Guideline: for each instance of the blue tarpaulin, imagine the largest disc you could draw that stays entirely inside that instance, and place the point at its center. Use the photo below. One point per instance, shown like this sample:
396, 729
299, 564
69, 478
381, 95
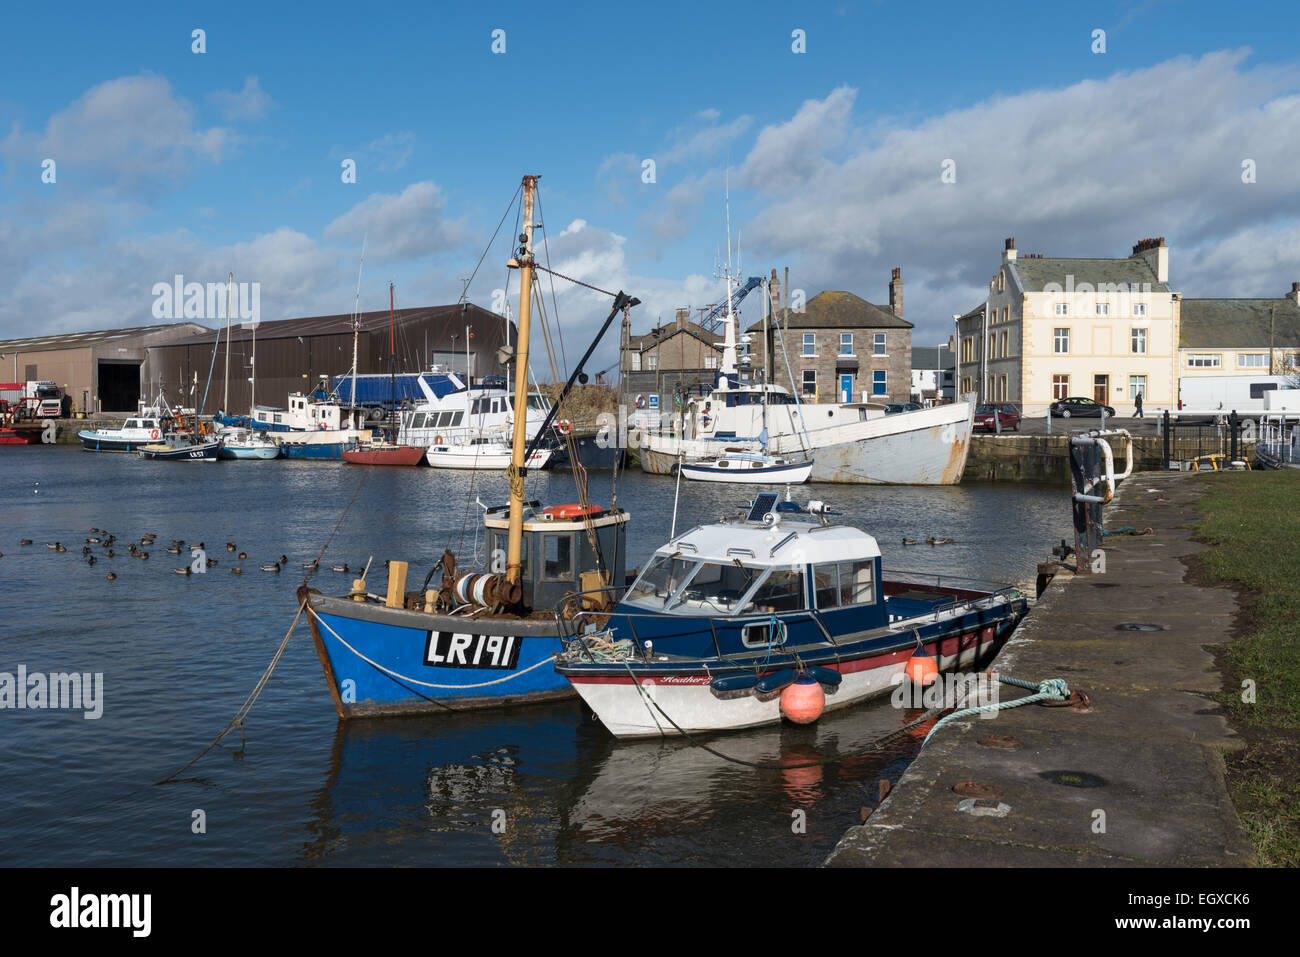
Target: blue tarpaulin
380, 390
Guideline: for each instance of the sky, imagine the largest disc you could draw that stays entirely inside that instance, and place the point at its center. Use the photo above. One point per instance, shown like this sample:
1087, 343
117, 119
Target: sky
831, 126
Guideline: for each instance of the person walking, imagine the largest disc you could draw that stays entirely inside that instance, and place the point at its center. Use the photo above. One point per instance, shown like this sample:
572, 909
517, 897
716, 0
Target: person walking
1137, 406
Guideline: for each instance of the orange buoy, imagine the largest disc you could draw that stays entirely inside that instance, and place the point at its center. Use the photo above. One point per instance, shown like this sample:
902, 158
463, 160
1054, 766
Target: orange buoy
574, 510
922, 669
803, 701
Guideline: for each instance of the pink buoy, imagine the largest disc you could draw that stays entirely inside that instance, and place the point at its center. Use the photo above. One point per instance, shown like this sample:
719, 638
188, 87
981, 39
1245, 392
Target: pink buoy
803, 701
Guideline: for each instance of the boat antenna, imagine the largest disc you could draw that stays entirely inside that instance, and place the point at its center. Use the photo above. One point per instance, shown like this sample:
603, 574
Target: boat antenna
356, 320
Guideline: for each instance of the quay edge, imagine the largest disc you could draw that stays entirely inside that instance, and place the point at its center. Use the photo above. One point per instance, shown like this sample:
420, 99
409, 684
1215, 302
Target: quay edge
1152, 741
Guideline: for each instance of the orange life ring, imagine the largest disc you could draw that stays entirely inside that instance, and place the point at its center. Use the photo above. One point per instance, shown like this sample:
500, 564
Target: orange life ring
640, 401
437, 440
573, 510
153, 434
564, 426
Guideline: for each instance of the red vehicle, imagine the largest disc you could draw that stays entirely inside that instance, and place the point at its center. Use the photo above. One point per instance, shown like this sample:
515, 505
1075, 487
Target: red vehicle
992, 415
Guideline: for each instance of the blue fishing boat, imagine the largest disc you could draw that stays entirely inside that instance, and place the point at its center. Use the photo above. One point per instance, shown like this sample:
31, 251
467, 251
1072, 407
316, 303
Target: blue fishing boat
725, 617
479, 639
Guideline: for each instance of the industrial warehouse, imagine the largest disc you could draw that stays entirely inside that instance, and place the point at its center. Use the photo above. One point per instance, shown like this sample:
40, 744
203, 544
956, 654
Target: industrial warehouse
112, 371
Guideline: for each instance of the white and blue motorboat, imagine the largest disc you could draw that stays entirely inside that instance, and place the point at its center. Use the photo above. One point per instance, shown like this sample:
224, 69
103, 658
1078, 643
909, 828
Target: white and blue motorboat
149, 424
725, 617
246, 444
744, 467
312, 427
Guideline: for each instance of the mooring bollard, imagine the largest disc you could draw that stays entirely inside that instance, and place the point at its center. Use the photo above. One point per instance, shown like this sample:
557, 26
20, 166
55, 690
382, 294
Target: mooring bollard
997, 422
1049, 420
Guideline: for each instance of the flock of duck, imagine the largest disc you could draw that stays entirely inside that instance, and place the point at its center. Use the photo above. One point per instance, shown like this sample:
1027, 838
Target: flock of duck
106, 542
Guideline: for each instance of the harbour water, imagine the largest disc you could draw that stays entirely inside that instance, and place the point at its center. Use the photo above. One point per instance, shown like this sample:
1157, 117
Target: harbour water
543, 785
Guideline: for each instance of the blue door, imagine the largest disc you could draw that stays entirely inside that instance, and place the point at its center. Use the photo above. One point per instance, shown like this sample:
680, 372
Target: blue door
846, 388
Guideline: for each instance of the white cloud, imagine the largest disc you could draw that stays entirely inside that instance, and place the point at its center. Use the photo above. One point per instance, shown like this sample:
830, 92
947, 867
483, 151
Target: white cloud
125, 136
250, 103
408, 225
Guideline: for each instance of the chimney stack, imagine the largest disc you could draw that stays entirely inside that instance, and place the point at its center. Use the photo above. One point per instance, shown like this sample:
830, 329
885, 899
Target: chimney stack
1156, 254
774, 285
683, 317
896, 291
1294, 294
1009, 253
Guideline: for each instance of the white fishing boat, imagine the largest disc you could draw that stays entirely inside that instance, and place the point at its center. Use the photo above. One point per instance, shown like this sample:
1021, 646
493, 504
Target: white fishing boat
480, 452
246, 444
748, 468
150, 424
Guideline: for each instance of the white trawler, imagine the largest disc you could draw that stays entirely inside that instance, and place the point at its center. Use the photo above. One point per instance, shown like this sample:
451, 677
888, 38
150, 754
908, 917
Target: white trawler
848, 442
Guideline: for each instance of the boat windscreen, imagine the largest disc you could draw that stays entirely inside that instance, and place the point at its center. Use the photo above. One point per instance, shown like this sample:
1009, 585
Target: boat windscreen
659, 580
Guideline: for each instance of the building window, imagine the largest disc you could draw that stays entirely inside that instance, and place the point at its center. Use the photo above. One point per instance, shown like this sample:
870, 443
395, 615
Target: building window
809, 381
1103, 309
1139, 308
1002, 388
879, 384
635, 364
846, 343
1060, 386
1138, 342
710, 362
1204, 360
1293, 360
809, 344
1062, 308
878, 344
1061, 341
1137, 385
651, 363
1006, 313
1005, 342
1002, 280
1252, 360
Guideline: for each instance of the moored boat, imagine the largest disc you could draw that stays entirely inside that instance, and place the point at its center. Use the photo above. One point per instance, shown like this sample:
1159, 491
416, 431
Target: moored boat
481, 452
726, 616
181, 448
246, 445
748, 468
383, 453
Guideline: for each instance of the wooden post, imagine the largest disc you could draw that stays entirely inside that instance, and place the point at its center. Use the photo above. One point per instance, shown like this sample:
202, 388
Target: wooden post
396, 585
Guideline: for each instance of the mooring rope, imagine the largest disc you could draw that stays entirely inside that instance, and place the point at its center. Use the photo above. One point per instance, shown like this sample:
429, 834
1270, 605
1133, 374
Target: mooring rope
1053, 689
247, 706
414, 681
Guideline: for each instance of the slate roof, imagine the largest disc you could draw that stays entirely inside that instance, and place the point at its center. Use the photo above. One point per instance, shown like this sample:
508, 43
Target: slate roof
643, 342
932, 357
80, 340
1034, 274
834, 309
1238, 324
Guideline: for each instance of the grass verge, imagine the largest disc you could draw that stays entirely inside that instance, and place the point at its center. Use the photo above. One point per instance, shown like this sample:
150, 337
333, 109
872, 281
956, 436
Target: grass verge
1252, 522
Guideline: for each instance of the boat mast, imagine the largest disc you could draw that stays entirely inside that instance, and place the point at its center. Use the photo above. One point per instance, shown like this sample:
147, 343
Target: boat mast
524, 261
356, 325
225, 397
392, 351
729, 319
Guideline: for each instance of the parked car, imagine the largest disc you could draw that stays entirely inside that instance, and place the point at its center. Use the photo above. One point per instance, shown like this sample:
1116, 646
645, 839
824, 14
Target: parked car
892, 408
1079, 405
992, 415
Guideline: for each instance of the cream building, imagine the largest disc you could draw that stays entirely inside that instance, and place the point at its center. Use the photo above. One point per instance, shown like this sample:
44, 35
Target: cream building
1052, 328
1231, 350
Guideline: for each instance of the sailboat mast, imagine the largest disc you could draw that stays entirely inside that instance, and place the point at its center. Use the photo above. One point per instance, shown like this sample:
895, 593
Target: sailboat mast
225, 397
524, 260
392, 350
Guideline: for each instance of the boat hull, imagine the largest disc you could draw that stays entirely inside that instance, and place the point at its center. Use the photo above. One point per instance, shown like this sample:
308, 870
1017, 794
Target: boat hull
21, 435
94, 442
480, 663
393, 455
689, 700
926, 447
249, 453
206, 452
794, 474
443, 457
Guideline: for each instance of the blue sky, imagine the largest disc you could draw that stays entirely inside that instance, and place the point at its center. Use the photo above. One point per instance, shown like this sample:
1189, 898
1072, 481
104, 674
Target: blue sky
169, 161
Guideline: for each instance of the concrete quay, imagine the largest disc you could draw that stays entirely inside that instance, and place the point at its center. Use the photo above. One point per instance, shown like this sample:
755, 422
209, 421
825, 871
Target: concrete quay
1136, 780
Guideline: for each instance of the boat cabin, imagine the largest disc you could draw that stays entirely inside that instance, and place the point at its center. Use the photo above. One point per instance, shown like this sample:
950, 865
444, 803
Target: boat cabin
778, 560
305, 414
559, 558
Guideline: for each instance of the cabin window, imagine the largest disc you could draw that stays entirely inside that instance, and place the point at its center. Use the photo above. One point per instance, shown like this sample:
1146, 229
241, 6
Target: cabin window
417, 420
719, 587
558, 552
844, 583
456, 417
782, 590
660, 580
